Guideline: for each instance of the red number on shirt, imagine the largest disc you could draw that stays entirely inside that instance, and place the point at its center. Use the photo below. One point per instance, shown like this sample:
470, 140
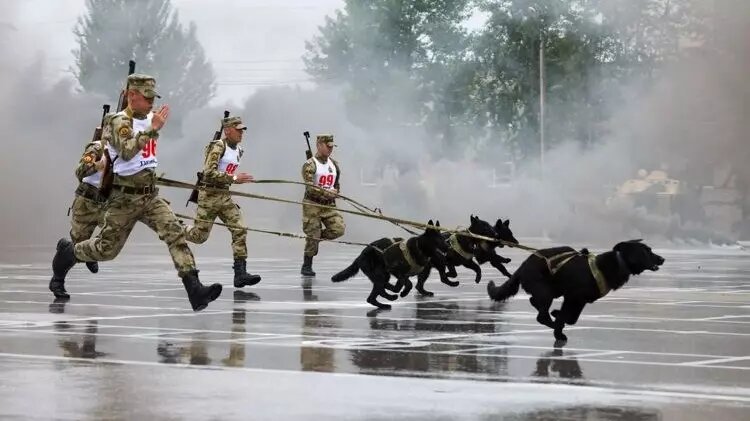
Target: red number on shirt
326, 180
150, 149
231, 168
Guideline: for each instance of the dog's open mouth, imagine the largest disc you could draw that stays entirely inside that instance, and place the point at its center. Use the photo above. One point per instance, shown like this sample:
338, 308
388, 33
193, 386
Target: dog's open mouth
655, 268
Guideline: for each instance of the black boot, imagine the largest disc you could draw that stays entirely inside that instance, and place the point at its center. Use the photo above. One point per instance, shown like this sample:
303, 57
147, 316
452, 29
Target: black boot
199, 294
241, 277
307, 269
62, 262
93, 266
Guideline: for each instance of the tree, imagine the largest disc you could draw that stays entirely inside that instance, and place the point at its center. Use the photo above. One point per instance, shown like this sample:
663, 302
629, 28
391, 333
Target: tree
393, 55
149, 32
593, 49
412, 63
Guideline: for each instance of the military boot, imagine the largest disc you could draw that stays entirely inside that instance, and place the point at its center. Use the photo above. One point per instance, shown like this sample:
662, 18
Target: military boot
307, 269
93, 266
64, 259
241, 277
199, 294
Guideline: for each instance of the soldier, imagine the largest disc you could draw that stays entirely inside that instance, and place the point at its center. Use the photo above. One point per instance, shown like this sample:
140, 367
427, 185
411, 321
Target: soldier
132, 135
324, 173
221, 159
88, 205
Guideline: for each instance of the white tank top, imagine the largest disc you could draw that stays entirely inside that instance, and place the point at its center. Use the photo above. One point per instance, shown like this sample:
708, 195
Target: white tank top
95, 179
141, 161
325, 174
229, 162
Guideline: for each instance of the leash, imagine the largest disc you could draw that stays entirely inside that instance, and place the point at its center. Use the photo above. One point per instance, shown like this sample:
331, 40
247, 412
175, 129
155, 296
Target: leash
279, 233
355, 204
183, 185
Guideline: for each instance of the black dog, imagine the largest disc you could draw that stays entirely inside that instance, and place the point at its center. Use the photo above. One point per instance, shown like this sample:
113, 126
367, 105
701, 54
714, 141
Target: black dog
579, 277
486, 250
398, 257
464, 249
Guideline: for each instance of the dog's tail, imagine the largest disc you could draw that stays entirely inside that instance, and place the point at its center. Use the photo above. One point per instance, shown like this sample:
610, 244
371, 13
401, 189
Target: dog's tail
504, 291
347, 273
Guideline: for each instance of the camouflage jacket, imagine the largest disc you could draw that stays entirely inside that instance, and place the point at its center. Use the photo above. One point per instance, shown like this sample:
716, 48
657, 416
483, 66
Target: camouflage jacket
119, 133
122, 138
316, 194
87, 164
213, 153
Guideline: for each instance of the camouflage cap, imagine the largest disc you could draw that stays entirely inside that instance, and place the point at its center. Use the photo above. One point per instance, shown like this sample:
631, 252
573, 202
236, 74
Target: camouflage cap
235, 122
325, 138
144, 84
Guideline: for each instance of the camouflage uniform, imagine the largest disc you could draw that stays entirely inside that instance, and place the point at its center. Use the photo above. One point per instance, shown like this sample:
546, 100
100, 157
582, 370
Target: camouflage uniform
218, 173
88, 206
134, 198
315, 218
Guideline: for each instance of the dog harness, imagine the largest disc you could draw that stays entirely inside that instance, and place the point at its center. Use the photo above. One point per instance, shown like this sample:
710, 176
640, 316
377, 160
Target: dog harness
456, 246
601, 283
556, 262
414, 267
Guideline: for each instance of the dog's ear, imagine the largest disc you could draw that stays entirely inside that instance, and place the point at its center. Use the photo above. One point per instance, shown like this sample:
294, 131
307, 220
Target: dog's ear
638, 240
437, 223
430, 222
507, 222
473, 218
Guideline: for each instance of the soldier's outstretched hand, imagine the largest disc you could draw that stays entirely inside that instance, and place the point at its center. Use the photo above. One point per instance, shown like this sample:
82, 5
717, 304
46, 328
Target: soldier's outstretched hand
243, 178
160, 117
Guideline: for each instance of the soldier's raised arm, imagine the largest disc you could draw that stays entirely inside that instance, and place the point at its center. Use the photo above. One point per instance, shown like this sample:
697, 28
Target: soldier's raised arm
125, 141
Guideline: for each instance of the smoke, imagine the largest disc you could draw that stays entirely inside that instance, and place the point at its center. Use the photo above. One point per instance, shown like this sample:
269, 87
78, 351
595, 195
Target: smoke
45, 133
692, 120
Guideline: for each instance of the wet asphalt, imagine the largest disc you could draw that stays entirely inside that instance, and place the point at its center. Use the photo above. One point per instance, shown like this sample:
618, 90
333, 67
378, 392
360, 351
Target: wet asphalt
670, 345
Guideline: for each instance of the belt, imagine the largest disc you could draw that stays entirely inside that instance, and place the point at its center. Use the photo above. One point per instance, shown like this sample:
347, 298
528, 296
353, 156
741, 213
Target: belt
87, 191
319, 200
214, 186
151, 189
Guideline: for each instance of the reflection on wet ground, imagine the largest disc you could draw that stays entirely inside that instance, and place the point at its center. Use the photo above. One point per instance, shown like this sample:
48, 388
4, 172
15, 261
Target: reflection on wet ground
670, 345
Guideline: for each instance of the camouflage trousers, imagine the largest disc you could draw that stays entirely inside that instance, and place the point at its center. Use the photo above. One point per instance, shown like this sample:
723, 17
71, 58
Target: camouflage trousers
122, 212
312, 219
210, 206
87, 214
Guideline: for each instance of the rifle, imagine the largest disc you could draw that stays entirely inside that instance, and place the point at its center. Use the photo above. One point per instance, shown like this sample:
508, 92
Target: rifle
98, 131
308, 152
194, 194
108, 175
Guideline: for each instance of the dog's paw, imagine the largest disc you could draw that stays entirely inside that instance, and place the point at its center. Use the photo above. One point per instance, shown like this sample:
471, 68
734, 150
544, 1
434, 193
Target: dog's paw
504, 260
560, 336
374, 312
559, 343
546, 321
425, 293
